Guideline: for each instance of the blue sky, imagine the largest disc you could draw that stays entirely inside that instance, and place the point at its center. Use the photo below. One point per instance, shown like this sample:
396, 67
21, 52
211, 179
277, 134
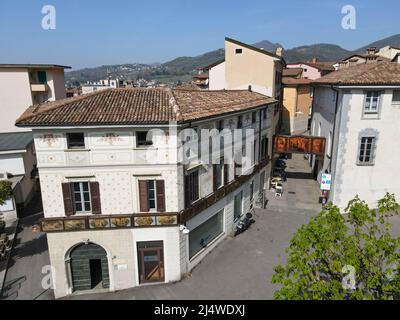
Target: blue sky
96, 32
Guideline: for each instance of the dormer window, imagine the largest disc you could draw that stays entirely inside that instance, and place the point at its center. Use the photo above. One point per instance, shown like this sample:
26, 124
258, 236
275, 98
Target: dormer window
76, 140
238, 51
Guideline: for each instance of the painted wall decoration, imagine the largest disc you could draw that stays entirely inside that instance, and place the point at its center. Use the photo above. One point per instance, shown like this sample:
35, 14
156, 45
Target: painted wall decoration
110, 138
105, 140
300, 144
48, 140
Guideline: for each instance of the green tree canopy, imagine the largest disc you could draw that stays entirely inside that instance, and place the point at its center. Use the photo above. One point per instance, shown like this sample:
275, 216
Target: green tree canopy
343, 256
5, 191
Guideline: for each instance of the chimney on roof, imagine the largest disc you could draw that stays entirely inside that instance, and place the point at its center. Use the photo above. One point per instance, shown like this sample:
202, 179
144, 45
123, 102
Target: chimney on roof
279, 51
314, 60
342, 65
250, 88
371, 50
352, 62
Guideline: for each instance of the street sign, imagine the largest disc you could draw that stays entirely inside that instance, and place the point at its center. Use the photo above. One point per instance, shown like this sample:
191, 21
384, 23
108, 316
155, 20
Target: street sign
326, 182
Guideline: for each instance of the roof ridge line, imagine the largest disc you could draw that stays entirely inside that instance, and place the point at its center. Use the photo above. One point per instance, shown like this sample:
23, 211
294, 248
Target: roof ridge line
175, 106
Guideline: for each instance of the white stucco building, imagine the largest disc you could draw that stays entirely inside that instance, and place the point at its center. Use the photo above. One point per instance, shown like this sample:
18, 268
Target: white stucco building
357, 110
122, 210
18, 165
100, 85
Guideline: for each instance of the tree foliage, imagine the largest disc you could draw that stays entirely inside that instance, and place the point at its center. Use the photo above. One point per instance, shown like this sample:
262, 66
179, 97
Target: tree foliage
5, 191
322, 253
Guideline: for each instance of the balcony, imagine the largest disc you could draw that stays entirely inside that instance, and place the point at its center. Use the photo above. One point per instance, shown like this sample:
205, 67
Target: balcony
39, 87
109, 222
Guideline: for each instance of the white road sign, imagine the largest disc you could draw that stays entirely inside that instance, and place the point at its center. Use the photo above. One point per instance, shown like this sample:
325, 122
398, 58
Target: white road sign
326, 182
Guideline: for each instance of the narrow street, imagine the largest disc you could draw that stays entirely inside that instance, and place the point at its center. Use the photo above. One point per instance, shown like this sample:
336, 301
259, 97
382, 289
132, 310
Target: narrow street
242, 267
29, 255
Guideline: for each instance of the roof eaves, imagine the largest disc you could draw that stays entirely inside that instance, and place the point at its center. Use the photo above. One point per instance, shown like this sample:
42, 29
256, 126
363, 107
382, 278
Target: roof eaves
250, 47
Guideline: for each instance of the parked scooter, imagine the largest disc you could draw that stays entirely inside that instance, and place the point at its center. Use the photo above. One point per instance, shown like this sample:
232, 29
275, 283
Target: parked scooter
279, 172
280, 164
244, 224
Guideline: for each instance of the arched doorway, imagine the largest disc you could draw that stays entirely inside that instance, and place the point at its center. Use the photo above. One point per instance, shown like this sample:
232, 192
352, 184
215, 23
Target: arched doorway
89, 267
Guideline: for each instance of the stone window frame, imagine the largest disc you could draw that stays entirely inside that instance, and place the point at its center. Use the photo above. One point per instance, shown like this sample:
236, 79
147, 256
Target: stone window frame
372, 115
395, 103
368, 133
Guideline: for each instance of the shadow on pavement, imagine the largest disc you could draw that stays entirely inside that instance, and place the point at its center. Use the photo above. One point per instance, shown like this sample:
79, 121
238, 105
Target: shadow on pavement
10, 290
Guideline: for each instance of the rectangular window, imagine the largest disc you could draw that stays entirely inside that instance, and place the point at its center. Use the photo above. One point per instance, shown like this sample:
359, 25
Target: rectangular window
372, 102
220, 125
254, 117
219, 175
265, 114
240, 122
264, 148
396, 98
76, 140
238, 51
238, 205
193, 186
366, 153
142, 140
251, 190
81, 198
152, 195
206, 233
42, 78
151, 191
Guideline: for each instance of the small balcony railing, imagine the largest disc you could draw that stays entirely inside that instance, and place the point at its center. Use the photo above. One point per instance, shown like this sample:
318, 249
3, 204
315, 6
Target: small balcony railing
39, 87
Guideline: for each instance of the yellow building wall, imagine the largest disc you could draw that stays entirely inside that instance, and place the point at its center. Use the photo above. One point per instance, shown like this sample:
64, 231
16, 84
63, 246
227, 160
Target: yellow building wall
250, 67
296, 107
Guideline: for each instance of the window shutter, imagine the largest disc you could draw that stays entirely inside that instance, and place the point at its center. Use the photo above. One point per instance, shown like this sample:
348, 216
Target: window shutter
187, 191
95, 197
68, 201
214, 177
143, 196
160, 186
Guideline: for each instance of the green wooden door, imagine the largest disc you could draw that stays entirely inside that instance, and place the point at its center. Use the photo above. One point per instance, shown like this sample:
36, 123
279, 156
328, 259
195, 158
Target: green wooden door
83, 265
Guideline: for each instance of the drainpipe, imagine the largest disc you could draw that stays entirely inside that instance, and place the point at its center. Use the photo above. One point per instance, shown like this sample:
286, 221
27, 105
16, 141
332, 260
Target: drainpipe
334, 127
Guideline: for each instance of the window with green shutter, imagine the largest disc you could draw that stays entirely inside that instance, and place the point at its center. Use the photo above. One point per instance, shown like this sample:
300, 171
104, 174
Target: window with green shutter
42, 78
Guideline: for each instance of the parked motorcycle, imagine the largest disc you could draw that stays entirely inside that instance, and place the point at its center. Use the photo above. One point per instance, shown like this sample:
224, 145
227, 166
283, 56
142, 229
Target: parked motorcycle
279, 172
280, 164
244, 224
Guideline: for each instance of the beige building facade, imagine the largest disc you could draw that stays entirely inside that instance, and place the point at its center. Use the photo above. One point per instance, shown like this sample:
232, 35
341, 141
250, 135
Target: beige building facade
24, 85
297, 106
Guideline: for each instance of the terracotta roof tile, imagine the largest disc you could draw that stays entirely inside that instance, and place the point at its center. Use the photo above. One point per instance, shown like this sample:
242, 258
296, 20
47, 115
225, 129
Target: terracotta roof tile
294, 81
132, 106
292, 72
375, 73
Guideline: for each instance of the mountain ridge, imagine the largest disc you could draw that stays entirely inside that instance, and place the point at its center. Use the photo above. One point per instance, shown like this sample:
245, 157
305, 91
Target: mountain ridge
181, 68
